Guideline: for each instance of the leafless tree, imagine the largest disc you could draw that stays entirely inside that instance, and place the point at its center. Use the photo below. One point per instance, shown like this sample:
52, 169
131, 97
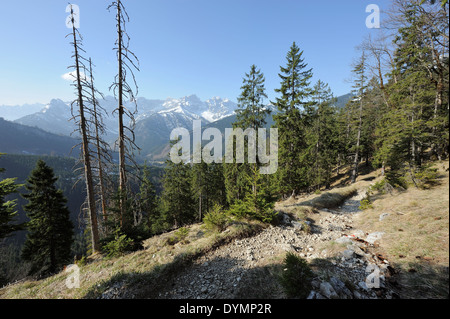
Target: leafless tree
79, 116
127, 62
102, 149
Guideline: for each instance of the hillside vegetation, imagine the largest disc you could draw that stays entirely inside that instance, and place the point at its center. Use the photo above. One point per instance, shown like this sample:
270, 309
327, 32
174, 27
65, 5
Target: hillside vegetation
415, 243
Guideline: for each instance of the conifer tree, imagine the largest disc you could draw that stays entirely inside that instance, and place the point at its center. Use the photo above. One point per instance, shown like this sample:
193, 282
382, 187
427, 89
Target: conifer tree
254, 198
147, 199
50, 231
410, 127
8, 212
251, 114
251, 111
216, 185
200, 186
294, 107
259, 199
360, 86
177, 199
208, 186
322, 137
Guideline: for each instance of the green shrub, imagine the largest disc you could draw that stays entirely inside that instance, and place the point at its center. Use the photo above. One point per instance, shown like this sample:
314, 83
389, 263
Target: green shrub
306, 227
365, 204
254, 209
426, 177
119, 245
179, 235
397, 179
82, 261
216, 219
296, 277
379, 186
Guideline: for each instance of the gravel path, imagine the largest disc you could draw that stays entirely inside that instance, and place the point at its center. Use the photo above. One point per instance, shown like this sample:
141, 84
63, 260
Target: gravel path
228, 271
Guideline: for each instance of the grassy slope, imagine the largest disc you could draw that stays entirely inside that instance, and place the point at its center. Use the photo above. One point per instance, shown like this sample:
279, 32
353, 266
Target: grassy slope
417, 226
416, 236
142, 272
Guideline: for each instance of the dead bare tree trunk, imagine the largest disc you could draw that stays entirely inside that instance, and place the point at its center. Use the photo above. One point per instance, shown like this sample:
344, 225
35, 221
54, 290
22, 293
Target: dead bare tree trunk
85, 145
123, 90
101, 146
122, 169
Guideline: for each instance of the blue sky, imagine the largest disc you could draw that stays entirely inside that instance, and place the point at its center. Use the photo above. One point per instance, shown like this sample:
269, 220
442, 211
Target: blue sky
201, 47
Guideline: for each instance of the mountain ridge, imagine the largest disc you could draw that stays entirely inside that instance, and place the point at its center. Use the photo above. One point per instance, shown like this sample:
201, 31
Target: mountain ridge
154, 120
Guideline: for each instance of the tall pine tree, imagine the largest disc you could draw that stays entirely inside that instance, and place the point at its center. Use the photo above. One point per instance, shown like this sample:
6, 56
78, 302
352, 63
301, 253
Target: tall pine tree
251, 111
50, 231
294, 107
251, 114
322, 137
147, 199
178, 203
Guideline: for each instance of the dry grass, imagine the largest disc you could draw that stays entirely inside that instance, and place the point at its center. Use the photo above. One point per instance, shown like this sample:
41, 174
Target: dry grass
416, 236
416, 242
142, 272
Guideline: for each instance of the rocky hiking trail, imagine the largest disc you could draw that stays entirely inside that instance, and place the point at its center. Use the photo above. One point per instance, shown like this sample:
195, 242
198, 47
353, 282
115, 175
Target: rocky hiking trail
240, 269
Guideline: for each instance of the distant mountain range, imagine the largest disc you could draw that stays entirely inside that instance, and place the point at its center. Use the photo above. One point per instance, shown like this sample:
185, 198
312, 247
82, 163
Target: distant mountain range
48, 129
21, 139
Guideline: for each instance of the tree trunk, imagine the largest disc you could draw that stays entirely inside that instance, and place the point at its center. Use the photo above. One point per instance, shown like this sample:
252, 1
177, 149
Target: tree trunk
86, 156
200, 207
122, 168
437, 106
358, 138
99, 148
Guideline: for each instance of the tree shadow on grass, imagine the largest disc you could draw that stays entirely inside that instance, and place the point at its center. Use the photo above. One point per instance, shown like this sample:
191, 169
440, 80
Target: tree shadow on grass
227, 275
424, 280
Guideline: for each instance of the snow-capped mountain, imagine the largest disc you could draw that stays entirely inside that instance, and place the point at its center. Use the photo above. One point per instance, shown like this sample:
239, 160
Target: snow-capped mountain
154, 119
210, 110
14, 112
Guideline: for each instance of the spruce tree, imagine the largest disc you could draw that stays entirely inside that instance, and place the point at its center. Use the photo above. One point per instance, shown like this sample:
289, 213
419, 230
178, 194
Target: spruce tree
50, 231
8, 212
251, 111
322, 137
177, 199
254, 199
259, 199
251, 114
294, 108
216, 185
200, 186
147, 199
408, 130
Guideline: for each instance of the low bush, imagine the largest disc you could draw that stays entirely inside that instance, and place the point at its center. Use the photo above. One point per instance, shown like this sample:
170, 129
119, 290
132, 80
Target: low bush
365, 204
119, 245
296, 276
179, 235
216, 219
426, 177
